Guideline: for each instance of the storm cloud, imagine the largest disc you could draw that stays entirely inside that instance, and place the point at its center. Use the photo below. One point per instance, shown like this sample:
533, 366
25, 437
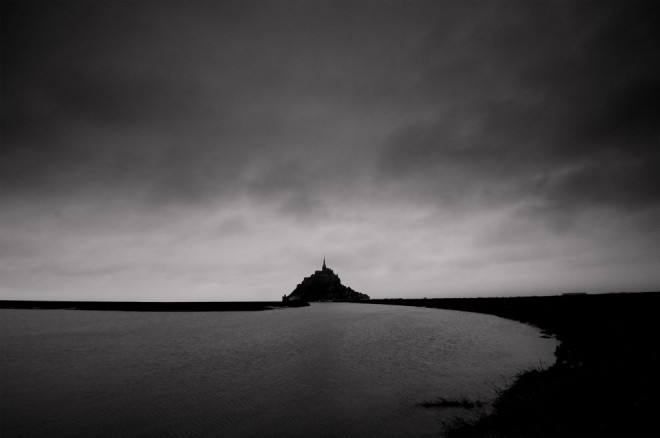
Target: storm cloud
165, 150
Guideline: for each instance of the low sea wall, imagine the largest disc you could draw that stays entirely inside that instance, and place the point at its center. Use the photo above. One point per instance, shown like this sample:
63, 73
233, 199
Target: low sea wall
146, 306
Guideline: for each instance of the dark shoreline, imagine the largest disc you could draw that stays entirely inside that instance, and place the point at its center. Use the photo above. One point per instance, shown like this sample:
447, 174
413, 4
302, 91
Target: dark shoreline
605, 382
151, 306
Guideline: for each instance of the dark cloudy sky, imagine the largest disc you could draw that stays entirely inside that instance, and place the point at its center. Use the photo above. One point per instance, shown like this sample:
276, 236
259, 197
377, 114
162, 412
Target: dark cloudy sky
217, 150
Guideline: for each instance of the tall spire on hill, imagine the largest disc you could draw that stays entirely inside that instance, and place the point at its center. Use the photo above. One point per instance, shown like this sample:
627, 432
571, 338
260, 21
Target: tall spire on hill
324, 285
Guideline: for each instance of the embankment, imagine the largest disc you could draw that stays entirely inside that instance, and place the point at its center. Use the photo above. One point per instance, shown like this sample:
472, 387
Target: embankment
147, 306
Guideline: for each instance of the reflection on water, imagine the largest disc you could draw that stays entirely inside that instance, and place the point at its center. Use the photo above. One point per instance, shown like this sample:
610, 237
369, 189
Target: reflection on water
330, 370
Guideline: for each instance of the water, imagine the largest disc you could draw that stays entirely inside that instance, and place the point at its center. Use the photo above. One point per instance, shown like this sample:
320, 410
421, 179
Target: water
329, 370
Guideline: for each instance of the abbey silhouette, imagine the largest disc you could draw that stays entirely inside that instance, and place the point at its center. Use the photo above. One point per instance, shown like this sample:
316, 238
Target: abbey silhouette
323, 285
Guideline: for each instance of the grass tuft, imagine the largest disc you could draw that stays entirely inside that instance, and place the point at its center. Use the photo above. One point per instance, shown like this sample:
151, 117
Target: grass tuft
462, 402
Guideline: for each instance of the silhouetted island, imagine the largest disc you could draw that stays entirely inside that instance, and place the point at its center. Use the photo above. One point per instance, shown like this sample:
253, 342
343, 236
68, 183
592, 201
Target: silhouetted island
323, 285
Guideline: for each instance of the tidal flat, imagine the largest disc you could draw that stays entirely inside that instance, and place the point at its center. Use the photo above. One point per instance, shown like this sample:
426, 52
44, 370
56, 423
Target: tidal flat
327, 370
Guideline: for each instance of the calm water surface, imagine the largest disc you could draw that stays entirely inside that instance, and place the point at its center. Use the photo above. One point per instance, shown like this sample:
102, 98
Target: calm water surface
329, 370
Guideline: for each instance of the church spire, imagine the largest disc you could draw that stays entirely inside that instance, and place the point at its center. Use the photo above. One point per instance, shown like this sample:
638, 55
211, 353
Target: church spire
324, 263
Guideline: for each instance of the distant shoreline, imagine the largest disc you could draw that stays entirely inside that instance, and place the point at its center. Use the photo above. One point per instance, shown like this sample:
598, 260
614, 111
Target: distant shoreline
147, 306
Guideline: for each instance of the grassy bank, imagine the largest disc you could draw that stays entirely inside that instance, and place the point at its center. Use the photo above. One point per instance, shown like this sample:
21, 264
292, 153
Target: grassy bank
605, 382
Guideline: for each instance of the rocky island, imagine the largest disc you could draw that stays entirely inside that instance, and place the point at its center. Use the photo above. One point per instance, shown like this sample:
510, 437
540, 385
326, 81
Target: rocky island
323, 285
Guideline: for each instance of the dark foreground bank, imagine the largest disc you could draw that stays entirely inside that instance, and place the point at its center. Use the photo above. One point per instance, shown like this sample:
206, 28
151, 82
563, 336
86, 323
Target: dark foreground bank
143, 306
605, 382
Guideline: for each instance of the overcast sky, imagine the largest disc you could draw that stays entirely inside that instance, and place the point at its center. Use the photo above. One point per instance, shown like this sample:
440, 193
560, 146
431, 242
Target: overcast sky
218, 150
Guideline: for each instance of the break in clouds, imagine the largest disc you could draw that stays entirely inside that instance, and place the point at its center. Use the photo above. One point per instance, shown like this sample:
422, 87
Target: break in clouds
216, 151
